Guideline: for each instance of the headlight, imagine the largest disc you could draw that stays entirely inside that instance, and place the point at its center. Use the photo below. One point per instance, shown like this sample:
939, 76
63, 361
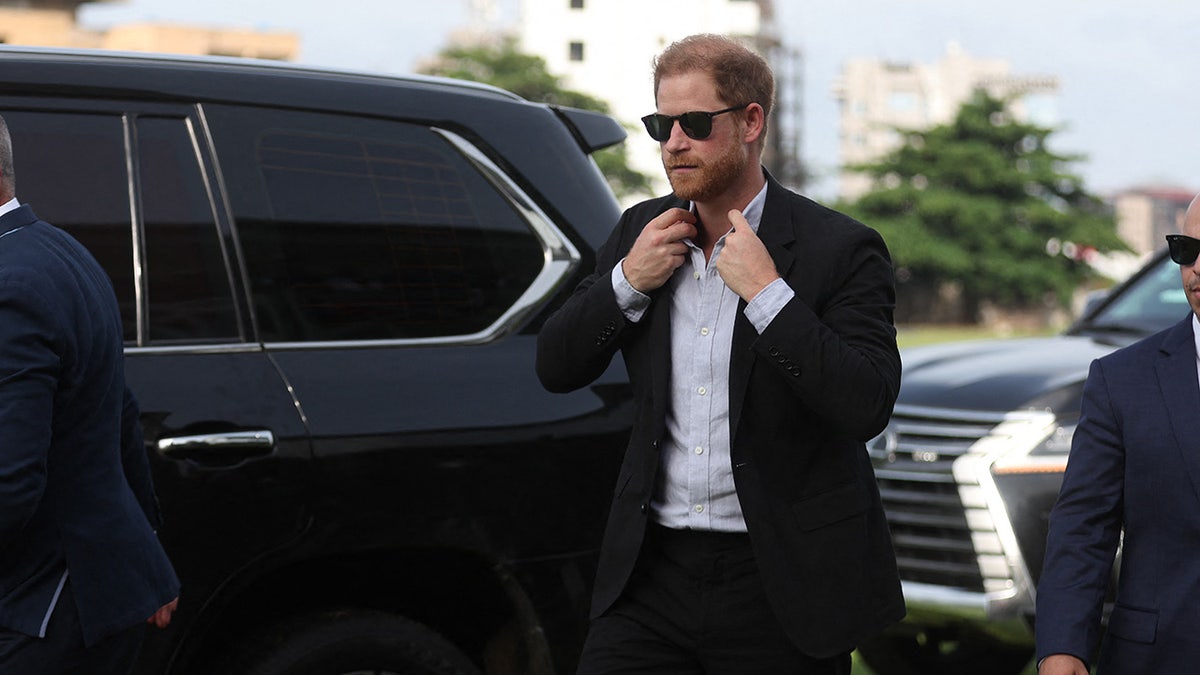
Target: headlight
1049, 456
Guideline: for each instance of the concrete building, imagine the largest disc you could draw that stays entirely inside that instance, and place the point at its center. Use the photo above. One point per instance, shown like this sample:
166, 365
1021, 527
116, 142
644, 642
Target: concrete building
605, 48
878, 96
53, 23
1148, 213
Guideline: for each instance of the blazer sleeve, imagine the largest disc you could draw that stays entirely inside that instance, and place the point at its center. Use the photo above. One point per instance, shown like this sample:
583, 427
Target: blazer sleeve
1085, 528
134, 462
29, 372
837, 348
578, 341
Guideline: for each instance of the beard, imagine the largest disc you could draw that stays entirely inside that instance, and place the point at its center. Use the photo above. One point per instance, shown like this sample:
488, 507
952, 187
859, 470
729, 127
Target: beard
710, 178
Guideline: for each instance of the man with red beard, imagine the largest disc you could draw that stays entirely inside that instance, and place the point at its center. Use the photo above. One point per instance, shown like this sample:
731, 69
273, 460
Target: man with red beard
1133, 478
746, 533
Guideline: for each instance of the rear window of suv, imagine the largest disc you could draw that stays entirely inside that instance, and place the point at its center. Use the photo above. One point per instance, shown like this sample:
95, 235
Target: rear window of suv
366, 229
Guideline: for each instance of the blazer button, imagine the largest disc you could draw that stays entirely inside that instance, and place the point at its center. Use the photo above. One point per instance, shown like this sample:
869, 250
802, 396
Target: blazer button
644, 509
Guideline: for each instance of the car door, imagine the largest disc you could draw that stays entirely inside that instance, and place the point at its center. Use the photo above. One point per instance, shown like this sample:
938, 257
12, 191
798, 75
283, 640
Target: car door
227, 445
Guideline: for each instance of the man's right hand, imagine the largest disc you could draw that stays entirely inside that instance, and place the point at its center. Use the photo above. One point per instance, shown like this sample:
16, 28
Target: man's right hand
659, 250
1062, 664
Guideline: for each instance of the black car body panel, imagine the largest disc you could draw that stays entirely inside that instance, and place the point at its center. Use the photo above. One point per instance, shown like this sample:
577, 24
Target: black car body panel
331, 285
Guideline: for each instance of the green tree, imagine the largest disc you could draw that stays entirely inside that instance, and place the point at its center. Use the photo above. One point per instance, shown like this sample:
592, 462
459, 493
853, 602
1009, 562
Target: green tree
526, 75
982, 202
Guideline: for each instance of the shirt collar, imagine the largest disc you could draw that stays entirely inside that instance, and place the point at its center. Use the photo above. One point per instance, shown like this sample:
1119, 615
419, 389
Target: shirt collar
752, 212
1196, 336
10, 205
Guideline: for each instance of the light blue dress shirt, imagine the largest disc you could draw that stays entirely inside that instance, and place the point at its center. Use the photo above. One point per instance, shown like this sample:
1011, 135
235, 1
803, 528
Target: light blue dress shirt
695, 487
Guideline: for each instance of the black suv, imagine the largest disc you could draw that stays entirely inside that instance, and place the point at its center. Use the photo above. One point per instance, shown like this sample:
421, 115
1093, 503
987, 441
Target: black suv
970, 467
331, 285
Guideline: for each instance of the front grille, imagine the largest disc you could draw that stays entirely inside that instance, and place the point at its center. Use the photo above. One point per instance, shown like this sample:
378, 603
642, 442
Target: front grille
935, 543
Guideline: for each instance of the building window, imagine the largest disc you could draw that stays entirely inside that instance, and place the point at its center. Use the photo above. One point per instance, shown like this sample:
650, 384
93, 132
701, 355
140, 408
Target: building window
576, 53
576, 4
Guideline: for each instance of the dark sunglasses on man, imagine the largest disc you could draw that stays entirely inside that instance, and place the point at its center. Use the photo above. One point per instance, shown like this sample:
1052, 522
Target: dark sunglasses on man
697, 124
1183, 249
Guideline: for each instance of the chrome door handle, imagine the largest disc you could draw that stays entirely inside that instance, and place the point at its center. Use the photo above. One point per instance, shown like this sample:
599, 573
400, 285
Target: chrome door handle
223, 448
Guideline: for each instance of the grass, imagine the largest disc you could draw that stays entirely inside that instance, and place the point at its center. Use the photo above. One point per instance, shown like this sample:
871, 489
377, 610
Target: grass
861, 668
913, 336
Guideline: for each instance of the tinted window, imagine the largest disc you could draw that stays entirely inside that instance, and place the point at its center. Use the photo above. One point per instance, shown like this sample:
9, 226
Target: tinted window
70, 168
358, 229
189, 296
1156, 301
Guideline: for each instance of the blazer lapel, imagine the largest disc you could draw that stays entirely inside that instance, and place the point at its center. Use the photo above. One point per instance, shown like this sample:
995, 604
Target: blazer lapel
1177, 377
776, 230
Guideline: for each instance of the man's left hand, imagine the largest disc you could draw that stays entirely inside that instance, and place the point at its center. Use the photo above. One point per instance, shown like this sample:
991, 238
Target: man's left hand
744, 264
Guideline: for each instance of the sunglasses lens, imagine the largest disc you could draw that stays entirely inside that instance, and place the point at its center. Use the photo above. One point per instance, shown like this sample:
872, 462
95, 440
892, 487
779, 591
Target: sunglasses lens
1184, 250
658, 126
697, 125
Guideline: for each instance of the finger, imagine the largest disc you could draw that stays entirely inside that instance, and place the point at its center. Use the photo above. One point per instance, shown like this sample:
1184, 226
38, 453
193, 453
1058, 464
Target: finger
669, 217
736, 219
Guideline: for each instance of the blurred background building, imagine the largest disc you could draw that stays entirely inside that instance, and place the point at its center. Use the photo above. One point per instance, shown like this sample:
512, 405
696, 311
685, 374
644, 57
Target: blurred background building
1146, 214
876, 97
53, 23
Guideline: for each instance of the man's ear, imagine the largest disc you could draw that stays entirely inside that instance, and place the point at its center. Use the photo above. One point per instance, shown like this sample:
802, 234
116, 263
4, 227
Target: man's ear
756, 121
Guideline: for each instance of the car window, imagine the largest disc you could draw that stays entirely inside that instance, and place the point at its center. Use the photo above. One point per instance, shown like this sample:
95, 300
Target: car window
1153, 302
71, 170
190, 298
365, 229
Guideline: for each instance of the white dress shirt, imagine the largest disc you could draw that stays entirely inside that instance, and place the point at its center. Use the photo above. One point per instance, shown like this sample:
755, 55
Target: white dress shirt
695, 488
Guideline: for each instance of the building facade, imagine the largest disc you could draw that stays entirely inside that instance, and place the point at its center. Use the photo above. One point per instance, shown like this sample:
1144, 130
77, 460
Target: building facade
877, 97
54, 23
1146, 214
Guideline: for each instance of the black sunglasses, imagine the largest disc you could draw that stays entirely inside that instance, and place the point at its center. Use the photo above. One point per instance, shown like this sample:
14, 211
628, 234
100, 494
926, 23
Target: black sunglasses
1184, 249
696, 124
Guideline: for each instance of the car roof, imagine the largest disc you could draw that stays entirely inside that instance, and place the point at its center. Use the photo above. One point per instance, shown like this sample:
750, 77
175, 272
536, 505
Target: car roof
221, 79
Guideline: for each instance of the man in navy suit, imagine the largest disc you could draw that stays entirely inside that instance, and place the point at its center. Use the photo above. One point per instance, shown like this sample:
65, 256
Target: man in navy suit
81, 569
746, 533
1134, 465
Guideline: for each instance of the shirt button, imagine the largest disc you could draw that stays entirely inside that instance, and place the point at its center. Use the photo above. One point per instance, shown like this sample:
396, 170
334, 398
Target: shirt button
704, 331
699, 508
699, 450
702, 391
696, 274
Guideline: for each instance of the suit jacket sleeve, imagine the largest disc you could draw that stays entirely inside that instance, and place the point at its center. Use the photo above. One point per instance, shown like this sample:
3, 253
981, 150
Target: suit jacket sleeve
835, 342
579, 340
1085, 528
29, 371
134, 461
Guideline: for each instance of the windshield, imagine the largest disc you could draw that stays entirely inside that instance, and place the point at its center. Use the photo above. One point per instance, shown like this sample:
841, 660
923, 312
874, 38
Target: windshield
1152, 301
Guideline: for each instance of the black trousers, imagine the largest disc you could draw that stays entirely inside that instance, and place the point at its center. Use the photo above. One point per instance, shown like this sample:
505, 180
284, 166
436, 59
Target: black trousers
62, 651
696, 606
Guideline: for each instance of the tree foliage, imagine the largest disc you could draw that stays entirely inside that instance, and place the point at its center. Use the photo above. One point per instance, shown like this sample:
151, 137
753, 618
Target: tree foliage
503, 65
982, 201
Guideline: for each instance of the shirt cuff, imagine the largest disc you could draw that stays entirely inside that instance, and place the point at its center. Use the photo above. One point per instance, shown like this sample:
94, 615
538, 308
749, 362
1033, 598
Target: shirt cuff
633, 303
765, 306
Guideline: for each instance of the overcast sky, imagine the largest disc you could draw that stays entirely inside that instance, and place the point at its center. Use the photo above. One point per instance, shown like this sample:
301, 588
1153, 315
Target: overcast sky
1129, 72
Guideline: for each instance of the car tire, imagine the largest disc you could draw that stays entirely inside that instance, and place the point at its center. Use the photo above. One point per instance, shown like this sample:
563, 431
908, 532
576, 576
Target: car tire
933, 654
352, 641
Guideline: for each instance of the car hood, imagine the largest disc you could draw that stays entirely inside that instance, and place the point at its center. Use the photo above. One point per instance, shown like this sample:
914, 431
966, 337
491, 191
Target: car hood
999, 375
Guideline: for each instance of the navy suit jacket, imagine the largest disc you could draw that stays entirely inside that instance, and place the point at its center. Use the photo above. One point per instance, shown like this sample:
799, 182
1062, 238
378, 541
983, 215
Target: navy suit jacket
75, 490
1135, 462
804, 397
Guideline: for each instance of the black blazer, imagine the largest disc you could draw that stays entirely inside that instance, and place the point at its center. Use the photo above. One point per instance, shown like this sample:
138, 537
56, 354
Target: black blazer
804, 397
75, 489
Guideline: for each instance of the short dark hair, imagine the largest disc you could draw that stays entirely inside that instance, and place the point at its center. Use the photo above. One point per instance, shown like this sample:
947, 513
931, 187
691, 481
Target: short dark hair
741, 75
